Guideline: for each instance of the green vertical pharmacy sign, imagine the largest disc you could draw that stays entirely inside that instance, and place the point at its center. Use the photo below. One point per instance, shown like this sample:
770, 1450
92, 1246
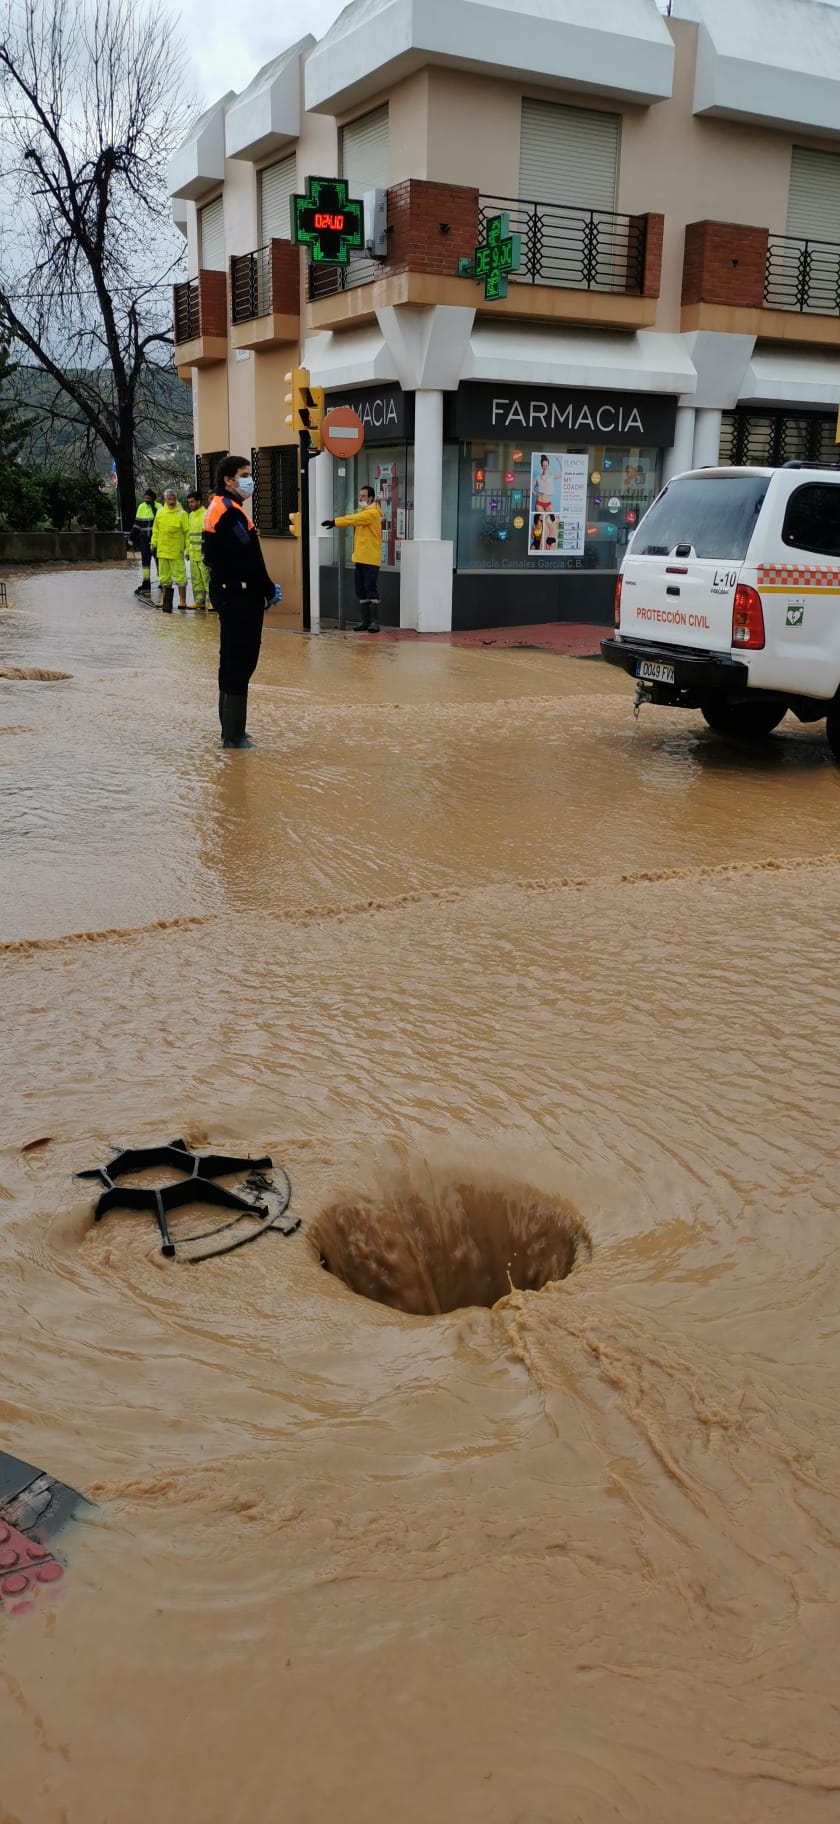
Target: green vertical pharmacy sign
500, 254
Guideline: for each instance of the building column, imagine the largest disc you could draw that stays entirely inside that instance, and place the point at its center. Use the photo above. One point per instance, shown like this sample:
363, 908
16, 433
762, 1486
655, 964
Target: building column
681, 456
320, 543
707, 439
426, 559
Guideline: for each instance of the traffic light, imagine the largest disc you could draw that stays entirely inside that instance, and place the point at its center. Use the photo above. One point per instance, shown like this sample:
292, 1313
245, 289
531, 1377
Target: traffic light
294, 524
307, 403
298, 399
316, 414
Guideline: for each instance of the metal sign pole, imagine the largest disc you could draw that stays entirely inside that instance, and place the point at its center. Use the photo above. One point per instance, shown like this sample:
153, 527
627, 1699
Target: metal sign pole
305, 579
340, 578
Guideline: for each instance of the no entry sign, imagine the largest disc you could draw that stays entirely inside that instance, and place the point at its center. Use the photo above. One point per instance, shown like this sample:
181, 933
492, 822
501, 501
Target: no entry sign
342, 431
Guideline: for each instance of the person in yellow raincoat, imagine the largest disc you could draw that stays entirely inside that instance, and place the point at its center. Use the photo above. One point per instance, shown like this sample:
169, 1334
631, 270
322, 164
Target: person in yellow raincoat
198, 568
367, 556
169, 543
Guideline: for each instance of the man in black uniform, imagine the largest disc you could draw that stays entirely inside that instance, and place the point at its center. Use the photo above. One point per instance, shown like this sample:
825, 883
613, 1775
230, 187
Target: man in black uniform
240, 590
141, 539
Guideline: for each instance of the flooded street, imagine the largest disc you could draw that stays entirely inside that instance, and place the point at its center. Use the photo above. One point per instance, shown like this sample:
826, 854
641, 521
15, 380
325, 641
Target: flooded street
465, 948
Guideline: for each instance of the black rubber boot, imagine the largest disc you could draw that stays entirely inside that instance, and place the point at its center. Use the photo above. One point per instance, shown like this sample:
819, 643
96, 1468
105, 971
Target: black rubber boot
166, 603
363, 626
222, 712
234, 711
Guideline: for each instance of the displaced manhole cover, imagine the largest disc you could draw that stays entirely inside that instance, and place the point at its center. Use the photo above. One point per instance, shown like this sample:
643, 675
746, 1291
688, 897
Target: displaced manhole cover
260, 1199
469, 1244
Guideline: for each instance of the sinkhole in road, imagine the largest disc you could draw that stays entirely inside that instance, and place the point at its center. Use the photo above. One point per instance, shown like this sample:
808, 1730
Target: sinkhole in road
460, 1245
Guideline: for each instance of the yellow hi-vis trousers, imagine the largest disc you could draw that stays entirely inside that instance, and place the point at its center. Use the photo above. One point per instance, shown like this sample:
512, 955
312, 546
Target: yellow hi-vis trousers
171, 570
200, 579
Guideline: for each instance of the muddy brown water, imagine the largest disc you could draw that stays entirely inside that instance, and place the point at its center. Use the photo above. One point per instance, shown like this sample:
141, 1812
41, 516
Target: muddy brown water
458, 927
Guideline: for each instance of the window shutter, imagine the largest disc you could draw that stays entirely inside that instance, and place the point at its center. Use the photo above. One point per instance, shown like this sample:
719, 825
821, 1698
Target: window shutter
212, 236
364, 152
276, 492
568, 156
205, 473
814, 203
278, 184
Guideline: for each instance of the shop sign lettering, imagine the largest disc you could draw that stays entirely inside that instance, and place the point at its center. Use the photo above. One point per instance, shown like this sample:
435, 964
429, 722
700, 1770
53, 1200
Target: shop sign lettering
541, 415
377, 414
564, 414
385, 411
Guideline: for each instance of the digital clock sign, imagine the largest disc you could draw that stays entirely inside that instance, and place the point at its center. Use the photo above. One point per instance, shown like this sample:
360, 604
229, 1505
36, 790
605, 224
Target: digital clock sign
327, 222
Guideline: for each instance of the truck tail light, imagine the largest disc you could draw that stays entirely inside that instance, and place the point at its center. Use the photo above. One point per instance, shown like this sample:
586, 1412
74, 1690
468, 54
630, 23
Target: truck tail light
747, 618
618, 601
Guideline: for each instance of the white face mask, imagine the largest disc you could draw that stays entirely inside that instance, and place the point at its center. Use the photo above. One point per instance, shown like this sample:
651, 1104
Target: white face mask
245, 486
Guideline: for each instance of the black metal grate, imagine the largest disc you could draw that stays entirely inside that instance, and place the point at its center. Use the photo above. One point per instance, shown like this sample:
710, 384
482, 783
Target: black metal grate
187, 311
576, 249
770, 439
250, 285
276, 488
325, 281
205, 472
803, 275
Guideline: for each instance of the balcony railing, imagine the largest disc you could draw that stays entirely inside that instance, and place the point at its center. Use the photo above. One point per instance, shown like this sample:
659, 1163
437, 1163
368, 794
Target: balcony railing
575, 249
250, 285
325, 281
200, 308
187, 303
570, 248
803, 275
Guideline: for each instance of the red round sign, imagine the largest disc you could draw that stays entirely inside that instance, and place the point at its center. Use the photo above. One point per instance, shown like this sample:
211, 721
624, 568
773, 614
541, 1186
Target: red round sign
342, 431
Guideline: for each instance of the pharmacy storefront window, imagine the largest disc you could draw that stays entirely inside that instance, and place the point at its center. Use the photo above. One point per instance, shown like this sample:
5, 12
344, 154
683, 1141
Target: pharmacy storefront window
384, 463
389, 470
565, 502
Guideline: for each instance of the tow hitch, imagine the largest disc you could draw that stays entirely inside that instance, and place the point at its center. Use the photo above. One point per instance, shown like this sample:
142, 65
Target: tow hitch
644, 694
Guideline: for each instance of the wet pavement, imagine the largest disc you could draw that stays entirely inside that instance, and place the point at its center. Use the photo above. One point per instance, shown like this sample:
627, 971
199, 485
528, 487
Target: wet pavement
478, 958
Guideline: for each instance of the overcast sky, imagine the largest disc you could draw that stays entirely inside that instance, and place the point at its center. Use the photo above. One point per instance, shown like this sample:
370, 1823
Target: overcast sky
228, 45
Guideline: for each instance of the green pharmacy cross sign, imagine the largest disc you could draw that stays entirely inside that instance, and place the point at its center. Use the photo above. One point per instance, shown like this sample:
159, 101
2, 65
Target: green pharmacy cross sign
501, 254
326, 222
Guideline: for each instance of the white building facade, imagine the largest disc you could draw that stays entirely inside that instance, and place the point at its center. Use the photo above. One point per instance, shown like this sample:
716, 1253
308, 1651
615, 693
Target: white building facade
675, 186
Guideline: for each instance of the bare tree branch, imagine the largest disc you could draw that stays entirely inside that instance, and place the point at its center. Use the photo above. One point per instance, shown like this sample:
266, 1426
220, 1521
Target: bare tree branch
88, 107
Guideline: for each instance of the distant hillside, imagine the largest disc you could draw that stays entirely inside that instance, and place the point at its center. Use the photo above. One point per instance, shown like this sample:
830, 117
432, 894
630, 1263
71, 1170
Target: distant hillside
165, 431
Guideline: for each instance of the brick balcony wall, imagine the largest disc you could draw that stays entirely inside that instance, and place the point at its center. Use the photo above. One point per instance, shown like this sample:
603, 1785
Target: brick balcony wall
285, 279
725, 263
213, 303
654, 238
417, 210
208, 295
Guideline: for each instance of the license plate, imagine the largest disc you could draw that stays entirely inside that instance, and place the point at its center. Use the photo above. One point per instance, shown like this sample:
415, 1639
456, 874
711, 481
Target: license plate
652, 672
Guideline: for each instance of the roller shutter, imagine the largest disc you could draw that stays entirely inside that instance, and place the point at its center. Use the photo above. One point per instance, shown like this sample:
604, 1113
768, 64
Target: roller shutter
568, 156
796, 280
212, 236
364, 152
814, 205
278, 184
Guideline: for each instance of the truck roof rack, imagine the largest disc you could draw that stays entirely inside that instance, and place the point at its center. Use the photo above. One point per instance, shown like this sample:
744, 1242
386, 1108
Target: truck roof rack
811, 465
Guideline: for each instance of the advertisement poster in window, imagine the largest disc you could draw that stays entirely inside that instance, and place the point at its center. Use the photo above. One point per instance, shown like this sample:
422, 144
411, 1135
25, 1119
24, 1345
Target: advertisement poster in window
387, 494
558, 504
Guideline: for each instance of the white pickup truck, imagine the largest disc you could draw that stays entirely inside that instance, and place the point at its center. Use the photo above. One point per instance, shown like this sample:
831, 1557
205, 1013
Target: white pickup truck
729, 599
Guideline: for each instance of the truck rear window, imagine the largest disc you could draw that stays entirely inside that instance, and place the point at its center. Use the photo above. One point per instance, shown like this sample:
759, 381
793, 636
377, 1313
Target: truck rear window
812, 520
714, 515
